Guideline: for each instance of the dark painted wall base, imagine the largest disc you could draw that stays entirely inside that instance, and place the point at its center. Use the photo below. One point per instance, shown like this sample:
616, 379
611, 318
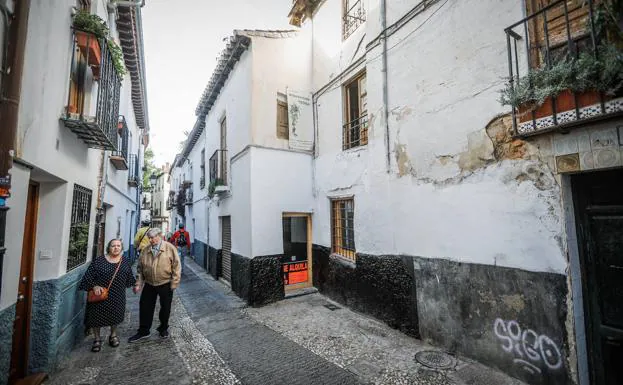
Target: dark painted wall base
257, 280
510, 319
7, 317
507, 318
57, 320
383, 287
200, 252
214, 262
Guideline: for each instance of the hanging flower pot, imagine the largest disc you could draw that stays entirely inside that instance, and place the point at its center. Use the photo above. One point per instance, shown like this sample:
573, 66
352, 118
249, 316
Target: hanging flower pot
90, 47
564, 102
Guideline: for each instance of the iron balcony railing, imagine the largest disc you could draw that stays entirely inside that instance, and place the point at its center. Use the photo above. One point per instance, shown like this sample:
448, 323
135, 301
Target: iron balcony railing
355, 133
554, 35
218, 167
133, 175
92, 110
354, 16
119, 157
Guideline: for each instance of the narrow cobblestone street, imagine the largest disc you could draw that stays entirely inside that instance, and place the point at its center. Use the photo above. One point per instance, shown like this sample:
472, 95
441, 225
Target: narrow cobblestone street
216, 339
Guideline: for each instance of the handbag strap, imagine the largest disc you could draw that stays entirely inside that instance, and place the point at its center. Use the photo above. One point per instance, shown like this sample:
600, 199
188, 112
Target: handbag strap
114, 275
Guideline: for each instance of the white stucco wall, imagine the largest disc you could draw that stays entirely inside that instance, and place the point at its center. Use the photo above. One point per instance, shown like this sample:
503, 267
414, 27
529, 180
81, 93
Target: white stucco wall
59, 159
443, 85
280, 182
278, 65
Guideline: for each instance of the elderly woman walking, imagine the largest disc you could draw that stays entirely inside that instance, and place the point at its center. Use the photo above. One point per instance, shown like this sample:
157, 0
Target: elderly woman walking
111, 273
159, 272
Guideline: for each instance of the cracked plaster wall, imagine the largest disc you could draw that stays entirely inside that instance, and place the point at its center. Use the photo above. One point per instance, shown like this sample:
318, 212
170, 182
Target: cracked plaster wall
459, 187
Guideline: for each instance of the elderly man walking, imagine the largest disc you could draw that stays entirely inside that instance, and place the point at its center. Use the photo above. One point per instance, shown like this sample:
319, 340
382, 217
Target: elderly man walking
159, 273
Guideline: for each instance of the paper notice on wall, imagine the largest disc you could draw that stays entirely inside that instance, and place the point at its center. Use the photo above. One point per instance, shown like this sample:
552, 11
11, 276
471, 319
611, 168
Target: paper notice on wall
300, 120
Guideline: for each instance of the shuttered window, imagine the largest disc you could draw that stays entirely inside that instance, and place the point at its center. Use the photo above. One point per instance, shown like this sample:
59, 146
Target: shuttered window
548, 31
226, 247
283, 131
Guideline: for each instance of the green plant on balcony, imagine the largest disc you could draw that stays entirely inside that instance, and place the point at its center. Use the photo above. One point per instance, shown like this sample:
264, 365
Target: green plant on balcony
91, 23
87, 22
586, 73
117, 58
603, 73
213, 185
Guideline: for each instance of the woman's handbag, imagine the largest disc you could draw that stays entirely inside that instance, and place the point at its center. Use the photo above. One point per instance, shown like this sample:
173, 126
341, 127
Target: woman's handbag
93, 298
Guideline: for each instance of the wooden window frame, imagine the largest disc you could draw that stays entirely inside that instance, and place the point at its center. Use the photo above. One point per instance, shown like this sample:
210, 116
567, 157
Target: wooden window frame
355, 124
341, 226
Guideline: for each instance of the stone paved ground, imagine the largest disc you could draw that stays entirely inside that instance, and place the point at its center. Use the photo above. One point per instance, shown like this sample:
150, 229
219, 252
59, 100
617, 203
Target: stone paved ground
216, 339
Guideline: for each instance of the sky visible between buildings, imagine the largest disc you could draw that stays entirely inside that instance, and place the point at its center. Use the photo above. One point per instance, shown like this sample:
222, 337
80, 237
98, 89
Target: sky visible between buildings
182, 41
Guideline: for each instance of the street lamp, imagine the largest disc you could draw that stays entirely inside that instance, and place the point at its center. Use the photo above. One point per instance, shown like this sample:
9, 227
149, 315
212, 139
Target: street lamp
152, 181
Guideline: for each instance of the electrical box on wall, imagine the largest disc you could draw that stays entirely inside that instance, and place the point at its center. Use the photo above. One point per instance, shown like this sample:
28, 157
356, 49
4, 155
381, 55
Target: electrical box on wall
45, 254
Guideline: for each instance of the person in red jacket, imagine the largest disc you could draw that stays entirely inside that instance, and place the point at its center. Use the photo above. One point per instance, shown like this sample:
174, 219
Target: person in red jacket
181, 240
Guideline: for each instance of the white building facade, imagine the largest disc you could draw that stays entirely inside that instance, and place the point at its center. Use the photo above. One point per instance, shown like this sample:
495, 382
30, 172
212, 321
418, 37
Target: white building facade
160, 197
368, 155
82, 129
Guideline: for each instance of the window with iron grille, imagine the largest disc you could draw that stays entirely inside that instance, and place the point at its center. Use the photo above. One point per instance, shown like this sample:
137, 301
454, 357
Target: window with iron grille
283, 131
79, 231
343, 228
353, 15
355, 129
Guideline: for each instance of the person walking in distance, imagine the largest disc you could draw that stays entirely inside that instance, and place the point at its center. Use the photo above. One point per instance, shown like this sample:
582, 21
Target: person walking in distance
159, 273
181, 239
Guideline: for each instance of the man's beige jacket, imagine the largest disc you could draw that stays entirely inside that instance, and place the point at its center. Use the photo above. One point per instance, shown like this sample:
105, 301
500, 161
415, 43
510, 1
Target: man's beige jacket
161, 269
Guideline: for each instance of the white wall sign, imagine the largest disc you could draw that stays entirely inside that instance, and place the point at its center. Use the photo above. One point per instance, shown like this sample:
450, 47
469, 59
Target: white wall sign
300, 120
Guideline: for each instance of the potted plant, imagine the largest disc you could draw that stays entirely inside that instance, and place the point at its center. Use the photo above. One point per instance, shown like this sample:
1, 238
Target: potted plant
586, 77
89, 30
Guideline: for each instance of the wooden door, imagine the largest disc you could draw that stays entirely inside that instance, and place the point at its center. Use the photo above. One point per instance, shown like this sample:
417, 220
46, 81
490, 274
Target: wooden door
599, 205
226, 247
21, 326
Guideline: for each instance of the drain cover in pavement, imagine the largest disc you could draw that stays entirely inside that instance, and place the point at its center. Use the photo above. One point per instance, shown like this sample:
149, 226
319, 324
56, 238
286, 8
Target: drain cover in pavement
331, 306
434, 359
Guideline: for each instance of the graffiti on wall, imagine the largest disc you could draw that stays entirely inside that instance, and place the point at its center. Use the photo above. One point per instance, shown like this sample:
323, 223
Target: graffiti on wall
531, 351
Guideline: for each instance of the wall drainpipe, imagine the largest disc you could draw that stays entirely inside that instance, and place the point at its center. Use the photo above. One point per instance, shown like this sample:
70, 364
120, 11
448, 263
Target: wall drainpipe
384, 75
10, 94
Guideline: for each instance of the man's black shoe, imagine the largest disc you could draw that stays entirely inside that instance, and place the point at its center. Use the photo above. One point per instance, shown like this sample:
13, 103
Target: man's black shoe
164, 334
138, 337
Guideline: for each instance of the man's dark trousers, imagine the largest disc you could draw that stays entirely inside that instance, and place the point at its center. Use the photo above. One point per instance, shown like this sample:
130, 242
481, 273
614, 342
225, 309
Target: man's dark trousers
148, 305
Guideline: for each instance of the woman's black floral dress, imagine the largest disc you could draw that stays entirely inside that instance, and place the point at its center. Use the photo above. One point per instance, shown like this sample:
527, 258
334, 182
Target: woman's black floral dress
111, 311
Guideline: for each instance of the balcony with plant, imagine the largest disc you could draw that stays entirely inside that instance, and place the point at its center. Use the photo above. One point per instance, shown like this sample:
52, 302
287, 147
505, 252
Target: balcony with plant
96, 72
565, 66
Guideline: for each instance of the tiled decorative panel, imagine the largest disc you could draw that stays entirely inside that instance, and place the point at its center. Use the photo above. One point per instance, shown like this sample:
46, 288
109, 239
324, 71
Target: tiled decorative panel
589, 148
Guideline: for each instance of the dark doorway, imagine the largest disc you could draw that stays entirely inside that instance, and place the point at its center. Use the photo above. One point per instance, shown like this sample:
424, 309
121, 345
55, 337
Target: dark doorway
296, 259
598, 199
21, 326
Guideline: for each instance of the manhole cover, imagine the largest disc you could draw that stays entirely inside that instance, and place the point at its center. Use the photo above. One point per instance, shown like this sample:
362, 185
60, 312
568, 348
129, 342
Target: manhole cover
434, 359
331, 306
